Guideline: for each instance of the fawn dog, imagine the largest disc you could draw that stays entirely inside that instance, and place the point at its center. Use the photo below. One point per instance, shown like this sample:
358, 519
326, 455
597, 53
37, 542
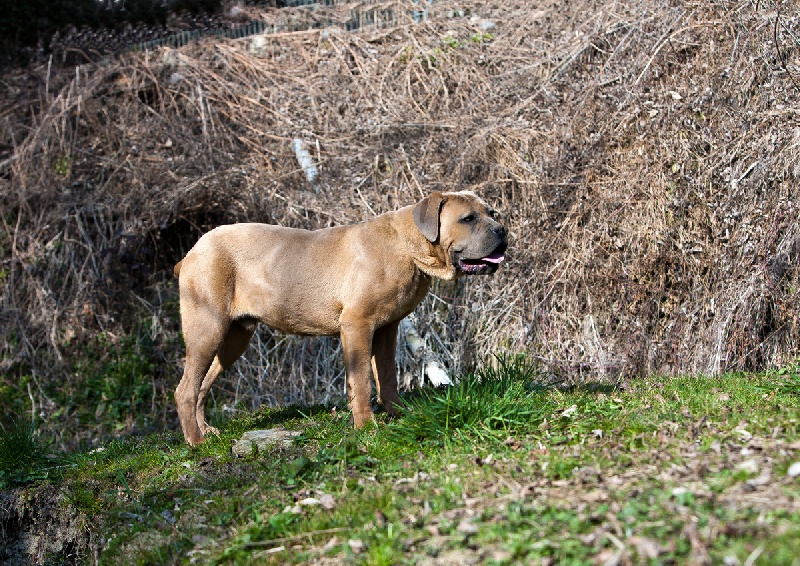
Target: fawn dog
356, 281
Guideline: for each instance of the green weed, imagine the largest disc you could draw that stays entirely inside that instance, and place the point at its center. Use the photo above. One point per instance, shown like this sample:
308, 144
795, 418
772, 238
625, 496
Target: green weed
63, 166
481, 37
113, 382
784, 380
488, 404
451, 42
24, 457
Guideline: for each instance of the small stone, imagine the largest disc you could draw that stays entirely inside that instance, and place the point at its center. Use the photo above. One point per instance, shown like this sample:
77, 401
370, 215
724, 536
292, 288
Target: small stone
258, 46
327, 501
263, 439
168, 517
794, 470
750, 466
356, 545
466, 527
763, 479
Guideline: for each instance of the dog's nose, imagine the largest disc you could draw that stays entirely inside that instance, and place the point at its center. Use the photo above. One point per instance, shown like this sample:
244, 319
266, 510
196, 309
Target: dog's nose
500, 230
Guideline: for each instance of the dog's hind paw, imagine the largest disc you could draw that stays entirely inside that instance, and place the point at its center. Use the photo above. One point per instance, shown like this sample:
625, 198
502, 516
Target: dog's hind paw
207, 429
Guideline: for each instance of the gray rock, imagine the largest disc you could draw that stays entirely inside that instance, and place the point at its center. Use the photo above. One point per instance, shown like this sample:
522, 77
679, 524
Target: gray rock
262, 440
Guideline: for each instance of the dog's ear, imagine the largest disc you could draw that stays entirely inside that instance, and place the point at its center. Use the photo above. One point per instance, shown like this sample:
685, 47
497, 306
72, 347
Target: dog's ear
426, 215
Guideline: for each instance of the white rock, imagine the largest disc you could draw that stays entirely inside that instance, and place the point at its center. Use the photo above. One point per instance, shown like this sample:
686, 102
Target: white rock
262, 439
356, 545
258, 45
794, 470
750, 466
304, 159
466, 527
327, 501
763, 479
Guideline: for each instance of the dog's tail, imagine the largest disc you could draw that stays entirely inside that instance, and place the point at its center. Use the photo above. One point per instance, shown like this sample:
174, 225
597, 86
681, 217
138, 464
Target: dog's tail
177, 269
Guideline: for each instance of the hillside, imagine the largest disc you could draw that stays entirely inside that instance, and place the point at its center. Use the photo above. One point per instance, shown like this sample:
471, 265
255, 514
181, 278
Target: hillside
643, 155
636, 355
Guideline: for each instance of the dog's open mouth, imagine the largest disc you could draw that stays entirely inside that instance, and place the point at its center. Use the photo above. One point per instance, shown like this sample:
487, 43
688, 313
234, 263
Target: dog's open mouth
489, 264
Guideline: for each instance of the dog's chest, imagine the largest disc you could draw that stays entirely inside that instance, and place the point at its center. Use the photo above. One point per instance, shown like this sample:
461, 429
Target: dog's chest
396, 301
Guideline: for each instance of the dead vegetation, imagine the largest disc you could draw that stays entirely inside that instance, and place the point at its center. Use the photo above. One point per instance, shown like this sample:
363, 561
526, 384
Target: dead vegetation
645, 157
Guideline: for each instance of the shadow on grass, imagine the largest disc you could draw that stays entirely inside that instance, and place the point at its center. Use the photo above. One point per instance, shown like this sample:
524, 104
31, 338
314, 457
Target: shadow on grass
271, 417
594, 387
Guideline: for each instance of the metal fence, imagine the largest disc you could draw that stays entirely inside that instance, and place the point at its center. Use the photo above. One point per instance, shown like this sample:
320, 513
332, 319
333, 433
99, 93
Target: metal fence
362, 18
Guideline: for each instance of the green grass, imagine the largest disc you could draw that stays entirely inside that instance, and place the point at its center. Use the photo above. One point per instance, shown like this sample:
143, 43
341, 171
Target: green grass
500, 467
483, 406
24, 456
785, 379
111, 386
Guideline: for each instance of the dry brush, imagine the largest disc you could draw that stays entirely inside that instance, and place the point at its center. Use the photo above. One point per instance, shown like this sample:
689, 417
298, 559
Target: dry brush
644, 155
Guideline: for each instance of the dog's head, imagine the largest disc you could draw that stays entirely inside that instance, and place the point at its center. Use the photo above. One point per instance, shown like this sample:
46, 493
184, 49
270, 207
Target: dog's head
465, 229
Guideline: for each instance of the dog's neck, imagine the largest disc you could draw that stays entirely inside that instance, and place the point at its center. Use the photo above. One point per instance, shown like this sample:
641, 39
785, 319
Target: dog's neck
430, 259
433, 264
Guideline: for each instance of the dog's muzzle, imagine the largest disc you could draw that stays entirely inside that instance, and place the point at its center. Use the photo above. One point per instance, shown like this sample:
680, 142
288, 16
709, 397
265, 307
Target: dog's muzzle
487, 264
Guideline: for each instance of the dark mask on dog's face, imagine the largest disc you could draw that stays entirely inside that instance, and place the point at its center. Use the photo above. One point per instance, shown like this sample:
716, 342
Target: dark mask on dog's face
465, 226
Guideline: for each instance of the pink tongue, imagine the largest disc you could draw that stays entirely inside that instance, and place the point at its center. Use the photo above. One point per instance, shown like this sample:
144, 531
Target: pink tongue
495, 258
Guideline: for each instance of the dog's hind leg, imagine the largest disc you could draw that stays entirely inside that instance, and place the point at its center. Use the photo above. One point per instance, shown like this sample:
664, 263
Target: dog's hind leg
384, 352
234, 345
203, 333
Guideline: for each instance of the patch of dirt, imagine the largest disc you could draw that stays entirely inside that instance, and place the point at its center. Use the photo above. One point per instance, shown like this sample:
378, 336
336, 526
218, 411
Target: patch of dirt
39, 525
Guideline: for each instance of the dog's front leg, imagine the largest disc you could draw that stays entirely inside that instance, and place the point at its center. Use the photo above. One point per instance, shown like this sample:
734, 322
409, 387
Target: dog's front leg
384, 353
356, 334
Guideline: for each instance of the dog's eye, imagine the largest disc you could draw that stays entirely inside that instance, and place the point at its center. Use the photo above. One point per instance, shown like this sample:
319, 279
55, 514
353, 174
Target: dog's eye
468, 218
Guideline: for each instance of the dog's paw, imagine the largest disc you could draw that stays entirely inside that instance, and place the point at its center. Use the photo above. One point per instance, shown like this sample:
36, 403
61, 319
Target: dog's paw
208, 429
194, 442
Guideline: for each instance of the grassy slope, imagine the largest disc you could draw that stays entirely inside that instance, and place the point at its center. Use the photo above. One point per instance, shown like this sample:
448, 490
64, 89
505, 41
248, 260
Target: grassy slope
678, 468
